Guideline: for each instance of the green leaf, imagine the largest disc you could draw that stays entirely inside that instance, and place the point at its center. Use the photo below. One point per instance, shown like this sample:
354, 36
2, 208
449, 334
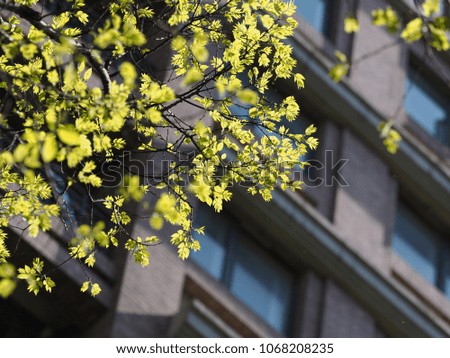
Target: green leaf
21, 152
142, 256
391, 138
48, 284
53, 77
95, 289
341, 56
413, 30
202, 191
87, 75
439, 38
72, 32
128, 73
82, 17
146, 12
60, 20
50, 148
183, 251
90, 260
310, 130
351, 24
338, 71
69, 135
156, 221
248, 96
7, 287
387, 17
85, 286
431, 7
299, 79
35, 35
192, 76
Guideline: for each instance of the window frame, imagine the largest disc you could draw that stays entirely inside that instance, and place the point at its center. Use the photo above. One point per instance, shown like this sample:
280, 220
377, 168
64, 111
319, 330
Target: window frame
235, 234
334, 37
442, 245
327, 25
431, 80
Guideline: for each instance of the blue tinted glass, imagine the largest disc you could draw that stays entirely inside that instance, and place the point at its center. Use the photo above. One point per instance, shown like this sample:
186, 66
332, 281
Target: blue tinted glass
446, 271
76, 208
416, 243
261, 283
238, 108
427, 107
315, 12
211, 257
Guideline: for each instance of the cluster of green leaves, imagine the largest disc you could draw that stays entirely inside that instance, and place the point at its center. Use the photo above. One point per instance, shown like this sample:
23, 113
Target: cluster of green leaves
390, 136
83, 95
23, 196
425, 24
35, 277
340, 70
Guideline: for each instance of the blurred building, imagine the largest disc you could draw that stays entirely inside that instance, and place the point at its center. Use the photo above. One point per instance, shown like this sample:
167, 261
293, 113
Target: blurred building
362, 251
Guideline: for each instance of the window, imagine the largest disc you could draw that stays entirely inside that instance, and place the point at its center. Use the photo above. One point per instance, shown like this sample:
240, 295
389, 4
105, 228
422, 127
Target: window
427, 106
229, 255
416, 243
315, 12
422, 248
445, 281
75, 201
261, 283
76, 207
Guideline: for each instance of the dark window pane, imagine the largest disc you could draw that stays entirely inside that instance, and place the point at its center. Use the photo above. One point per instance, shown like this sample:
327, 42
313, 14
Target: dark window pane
263, 284
211, 257
315, 12
74, 199
446, 271
427, 107
416, 243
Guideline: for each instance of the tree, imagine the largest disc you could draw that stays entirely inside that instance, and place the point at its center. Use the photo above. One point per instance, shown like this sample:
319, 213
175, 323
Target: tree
82, 92
89, 87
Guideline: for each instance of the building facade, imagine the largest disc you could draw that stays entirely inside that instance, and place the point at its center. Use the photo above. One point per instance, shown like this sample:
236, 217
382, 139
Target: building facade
362, 251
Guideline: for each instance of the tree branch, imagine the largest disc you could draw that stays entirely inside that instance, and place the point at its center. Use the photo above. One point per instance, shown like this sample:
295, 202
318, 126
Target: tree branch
34, 18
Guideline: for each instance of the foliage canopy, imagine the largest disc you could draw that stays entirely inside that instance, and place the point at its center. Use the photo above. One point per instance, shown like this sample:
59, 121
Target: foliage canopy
182, 83
83, 91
